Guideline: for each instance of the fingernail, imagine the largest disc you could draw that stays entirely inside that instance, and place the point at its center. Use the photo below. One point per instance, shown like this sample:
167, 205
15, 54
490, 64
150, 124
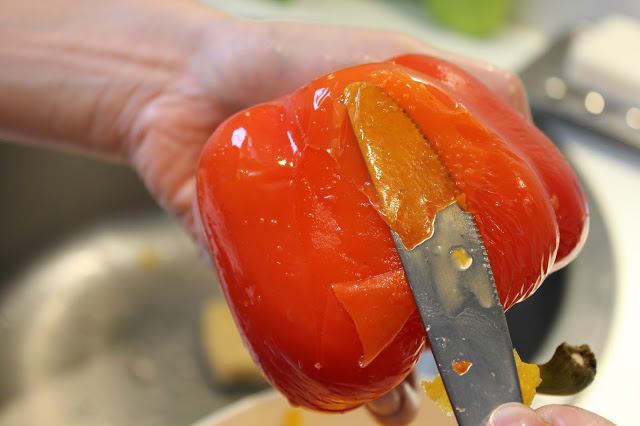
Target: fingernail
514, 414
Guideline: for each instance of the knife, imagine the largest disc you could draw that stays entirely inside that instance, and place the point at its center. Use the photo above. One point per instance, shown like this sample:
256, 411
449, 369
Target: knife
449, 275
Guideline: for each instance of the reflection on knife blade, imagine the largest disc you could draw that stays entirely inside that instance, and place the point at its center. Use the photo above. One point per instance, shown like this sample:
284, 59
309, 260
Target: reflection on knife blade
444, 259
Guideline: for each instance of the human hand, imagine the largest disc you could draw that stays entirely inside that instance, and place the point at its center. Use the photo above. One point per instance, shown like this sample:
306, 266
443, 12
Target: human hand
148, 81
238, 64
223, 80
560, 415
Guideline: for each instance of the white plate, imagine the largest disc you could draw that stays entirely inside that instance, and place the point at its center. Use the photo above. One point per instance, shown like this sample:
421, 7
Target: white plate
270, 408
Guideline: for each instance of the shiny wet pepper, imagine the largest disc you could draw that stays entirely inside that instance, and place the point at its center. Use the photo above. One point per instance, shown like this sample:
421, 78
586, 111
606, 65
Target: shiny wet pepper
305, 259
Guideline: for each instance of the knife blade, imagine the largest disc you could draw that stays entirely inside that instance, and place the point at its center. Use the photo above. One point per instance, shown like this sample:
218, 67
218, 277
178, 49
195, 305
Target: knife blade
450, 278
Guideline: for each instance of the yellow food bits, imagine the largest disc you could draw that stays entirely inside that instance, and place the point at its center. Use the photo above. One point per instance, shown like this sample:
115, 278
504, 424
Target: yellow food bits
529, 375
293, 417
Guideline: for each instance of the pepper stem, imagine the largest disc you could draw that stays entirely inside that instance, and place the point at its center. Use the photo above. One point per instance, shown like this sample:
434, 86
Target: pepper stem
570, 370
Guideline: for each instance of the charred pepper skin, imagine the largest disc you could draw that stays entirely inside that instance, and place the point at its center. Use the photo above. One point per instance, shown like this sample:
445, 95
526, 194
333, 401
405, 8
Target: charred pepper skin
303, 255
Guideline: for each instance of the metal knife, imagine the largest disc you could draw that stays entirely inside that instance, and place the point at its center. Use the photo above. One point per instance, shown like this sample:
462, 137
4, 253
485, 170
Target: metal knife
453, 287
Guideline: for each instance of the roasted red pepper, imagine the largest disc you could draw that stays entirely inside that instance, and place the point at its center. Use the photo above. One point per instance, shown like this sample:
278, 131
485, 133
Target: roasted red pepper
307, 264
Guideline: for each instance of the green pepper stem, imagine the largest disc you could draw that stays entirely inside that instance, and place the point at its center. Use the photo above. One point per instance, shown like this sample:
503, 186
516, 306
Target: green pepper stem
570, 370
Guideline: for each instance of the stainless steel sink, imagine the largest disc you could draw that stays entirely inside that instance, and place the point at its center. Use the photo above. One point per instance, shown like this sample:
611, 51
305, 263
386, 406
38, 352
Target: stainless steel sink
101, 295
100, 300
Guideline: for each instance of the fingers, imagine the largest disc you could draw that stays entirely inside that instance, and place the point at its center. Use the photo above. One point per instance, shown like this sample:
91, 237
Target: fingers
570, 415
503, 83
560, 415
291, 54
398, 406
515, 414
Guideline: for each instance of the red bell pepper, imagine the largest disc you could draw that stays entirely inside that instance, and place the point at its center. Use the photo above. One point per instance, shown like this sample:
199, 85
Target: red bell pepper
308, 265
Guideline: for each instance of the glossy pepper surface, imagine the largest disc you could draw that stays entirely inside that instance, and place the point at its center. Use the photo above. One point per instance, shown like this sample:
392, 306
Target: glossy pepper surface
306, 261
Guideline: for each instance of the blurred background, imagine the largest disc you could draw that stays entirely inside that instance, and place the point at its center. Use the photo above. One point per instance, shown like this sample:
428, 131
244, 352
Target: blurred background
109, 317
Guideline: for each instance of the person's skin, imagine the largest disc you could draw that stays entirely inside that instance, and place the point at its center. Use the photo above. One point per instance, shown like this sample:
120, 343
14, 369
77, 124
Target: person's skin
146, 82
560, 415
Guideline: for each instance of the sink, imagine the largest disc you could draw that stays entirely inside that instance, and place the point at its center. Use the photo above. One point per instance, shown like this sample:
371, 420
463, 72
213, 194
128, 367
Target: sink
101, 295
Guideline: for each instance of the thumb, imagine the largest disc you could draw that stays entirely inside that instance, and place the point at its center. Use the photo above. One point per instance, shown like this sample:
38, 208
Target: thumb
515, 414
556, 414
521, 415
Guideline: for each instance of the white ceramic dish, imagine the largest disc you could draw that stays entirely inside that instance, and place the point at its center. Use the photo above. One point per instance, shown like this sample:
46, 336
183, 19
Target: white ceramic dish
270, 408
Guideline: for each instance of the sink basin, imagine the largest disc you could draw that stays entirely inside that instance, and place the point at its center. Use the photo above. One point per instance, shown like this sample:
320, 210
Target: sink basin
101, 296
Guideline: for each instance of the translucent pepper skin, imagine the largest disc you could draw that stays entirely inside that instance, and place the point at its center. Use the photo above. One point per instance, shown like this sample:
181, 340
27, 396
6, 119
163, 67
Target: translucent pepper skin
567, 196
308, 265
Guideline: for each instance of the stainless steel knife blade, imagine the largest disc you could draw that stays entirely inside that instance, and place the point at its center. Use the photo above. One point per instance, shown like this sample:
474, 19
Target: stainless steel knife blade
452, 284
450, 278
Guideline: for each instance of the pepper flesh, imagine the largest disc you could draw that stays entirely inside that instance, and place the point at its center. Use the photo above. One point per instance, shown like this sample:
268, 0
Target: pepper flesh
411, 183
565, 192
307, 264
